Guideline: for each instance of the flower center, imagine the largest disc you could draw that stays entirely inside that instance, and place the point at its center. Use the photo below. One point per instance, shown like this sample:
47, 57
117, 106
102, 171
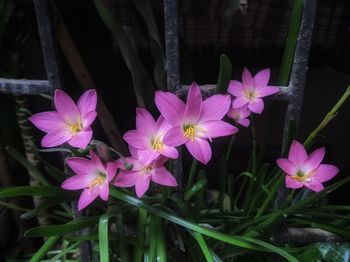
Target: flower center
76, 127
250, 94
98, 181
301, 176
157, 144
189, 131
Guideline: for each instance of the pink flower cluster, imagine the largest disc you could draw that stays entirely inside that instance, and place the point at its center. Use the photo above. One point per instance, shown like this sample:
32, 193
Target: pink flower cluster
248, 95
193, 124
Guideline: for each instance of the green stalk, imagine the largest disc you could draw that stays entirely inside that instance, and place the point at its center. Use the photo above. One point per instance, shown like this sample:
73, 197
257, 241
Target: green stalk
193, 170
327, 118
41, 253
124, 254
142, 220
160, 239
291, 43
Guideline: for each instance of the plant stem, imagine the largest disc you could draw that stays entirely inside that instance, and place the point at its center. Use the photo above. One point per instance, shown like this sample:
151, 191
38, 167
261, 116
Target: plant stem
327, 118
193, 170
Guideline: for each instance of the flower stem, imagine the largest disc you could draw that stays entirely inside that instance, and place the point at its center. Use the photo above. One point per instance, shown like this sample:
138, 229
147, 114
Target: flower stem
193, 170
229, 149
331, 114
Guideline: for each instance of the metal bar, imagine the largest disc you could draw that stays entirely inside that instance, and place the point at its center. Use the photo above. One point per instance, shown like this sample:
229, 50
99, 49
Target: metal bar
172, 45
47, 44
24, 86
295, 91
172, 66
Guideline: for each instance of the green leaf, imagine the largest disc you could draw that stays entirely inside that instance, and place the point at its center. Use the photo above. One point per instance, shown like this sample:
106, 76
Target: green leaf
124, 254
225, 73
160, 239
141, 81
103, 237
203, 245
59, 230
31, 191
246, 243
46, 247
33, 171
199, 185
141, 224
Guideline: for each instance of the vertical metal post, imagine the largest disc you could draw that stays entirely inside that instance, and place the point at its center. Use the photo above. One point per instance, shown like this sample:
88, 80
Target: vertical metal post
299, 68
47, 43
296, 85
172, 65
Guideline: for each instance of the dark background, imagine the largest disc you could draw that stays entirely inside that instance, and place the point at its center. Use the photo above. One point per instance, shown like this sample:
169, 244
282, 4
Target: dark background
253, 37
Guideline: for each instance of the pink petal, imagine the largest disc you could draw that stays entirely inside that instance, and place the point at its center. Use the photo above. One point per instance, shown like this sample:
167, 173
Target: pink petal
244, 122
111, 169
147, 156
314, 160
142, 185
297, 154
215, 107
80, 166
160, 161
144, 121
96, 161
218, 128
126, 178
261, 79
314, 185
247, 78
162, 126
239, 102
47, 121
77, 182
86, 197
137, 139
66, 107
266, 91
287, 166
55, 138
194, 103
292, 183
89, 118
170, 152
256, 106
170, 106
133, 151
163, 177
125, 162
199, 149
175, 136
81, 139
104, 191
325, 172
87, 102
236, 88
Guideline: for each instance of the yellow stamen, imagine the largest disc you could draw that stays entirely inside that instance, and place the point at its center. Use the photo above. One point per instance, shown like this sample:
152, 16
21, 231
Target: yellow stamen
250, 94
189, 132
157, 144
99, 180
76, 127
302, 177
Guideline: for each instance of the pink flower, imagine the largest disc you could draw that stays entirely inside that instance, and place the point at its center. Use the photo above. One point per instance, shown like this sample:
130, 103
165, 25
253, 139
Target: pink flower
142, 173
195, 122
303, 170
148, 137
239, 115
71, 123
92, 176
251, 90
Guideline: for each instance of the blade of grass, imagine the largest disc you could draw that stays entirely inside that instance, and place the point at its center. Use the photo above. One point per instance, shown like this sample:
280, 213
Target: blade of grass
103, 237
141, 224
46, 247
203, 245
124, 254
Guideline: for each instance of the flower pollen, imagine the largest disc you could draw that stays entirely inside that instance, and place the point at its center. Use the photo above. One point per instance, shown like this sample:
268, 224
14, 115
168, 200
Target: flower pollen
189, 132
157, 144
301, 176
76, 127
98, 181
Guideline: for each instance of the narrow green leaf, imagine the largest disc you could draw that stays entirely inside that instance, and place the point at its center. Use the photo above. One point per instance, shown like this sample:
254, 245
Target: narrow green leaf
225, 73
33, 171
203, 245
65, 252
31, 191
141, 224
59, 230
46, 247
160, 239
195, 188
103, 237
124, 254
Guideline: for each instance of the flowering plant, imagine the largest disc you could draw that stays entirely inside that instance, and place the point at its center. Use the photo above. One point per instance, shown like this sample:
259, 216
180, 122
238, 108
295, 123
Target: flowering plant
180, 216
